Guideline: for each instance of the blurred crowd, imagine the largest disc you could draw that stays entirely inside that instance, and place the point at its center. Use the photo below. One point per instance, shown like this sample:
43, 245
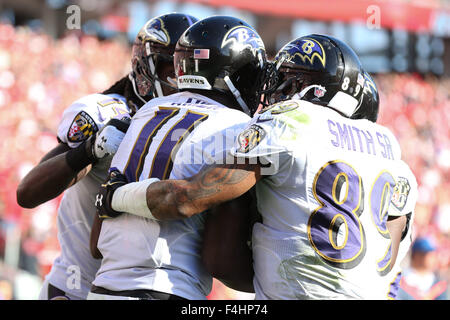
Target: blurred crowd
40, 77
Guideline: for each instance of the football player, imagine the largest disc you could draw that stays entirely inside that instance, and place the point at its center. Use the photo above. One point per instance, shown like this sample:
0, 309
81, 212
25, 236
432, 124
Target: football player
324, 178
220, 70
87, 140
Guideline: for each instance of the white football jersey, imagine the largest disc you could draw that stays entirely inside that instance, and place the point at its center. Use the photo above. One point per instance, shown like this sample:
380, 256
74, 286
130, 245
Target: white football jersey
165, 256
74, 270
323, 203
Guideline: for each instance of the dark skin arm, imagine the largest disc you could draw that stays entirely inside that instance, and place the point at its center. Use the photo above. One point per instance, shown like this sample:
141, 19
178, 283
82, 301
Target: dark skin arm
177, 199
226, 253
48, 179
95, 233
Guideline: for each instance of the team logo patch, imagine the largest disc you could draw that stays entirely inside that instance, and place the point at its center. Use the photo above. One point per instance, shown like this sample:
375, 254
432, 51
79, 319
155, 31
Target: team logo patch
155, 30
308, 50
401, 192
82, 127
244, 36
250, 138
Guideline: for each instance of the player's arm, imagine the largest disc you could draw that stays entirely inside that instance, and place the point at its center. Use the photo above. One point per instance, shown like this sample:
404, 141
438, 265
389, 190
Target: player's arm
401, 208
176, 199
255, 149
52, 176
226, 252
63, 166
95, 233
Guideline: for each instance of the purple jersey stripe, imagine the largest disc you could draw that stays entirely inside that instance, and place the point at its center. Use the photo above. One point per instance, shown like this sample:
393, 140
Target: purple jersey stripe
135, 163
162, 161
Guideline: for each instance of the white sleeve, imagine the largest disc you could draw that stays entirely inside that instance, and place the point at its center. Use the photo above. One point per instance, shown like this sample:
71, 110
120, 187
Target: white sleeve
87, 115
405, 194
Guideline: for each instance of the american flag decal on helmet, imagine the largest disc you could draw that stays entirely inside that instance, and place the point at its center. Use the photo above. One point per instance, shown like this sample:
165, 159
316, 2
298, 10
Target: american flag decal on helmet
201, 54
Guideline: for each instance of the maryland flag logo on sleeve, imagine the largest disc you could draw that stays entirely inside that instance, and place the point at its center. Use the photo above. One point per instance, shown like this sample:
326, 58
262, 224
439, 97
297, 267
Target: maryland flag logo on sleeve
250, 138
82, 127
401, 192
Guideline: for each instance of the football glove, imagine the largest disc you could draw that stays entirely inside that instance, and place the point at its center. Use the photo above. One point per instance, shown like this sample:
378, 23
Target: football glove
103, 199
107, 140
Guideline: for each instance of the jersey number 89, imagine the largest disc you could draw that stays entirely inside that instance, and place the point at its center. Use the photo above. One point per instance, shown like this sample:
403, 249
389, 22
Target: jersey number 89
337, 211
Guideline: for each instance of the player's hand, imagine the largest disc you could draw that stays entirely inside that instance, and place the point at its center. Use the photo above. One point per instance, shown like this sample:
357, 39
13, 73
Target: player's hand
104, 196
107, 140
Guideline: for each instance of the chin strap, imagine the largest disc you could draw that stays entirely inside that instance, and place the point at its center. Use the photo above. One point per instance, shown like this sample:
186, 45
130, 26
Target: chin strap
237, 95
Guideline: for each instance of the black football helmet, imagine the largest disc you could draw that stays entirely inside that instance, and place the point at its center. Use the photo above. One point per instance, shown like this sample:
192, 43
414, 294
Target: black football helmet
368, 109
320, 69
222, 53
154, 45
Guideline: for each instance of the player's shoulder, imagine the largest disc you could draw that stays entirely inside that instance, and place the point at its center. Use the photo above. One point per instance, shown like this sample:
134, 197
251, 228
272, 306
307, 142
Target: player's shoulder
97, 104
404, 170
87, 115
221, 122
193, 103
156, 103
280, 108
291, 110
91, 98
227, 115
290, 116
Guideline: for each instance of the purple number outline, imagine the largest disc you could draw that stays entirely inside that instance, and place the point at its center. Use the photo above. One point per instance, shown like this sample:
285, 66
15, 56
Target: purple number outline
166, 149
162, 160
394, 286
377, 198
322, 221
323, 224
135, 164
